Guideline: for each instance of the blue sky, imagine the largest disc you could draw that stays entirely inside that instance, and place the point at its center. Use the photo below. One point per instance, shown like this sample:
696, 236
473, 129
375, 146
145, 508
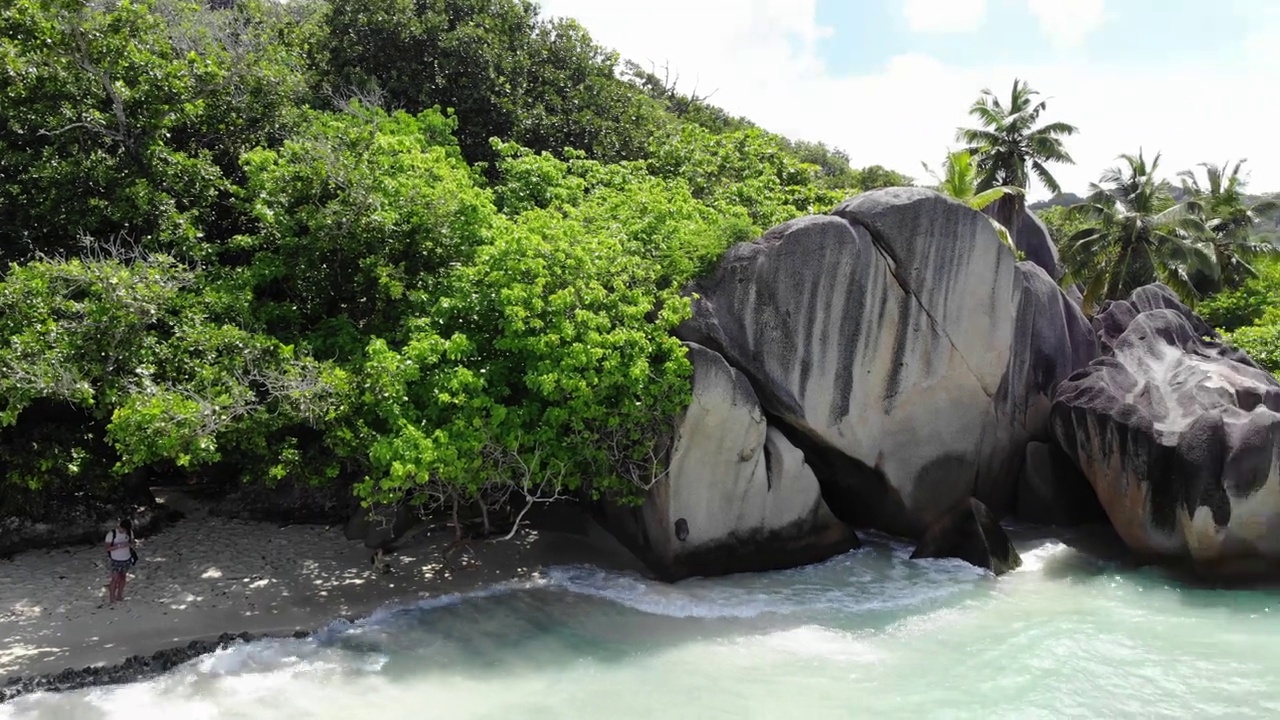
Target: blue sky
1148, 33
889, 81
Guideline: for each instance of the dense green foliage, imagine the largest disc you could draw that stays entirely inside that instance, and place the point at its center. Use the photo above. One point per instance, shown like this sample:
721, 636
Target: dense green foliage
1249, 315
1231, 222
1136, 228
430, 250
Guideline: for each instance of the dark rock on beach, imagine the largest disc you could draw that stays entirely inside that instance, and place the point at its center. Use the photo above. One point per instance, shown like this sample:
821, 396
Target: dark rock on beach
136, 667
971, 533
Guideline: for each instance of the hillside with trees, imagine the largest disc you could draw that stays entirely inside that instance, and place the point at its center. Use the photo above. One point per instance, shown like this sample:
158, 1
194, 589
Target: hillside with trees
431, 252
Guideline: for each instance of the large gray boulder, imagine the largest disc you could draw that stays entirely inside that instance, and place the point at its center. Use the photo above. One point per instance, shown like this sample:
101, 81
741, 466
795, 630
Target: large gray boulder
1179, 436
900, 346
737, 495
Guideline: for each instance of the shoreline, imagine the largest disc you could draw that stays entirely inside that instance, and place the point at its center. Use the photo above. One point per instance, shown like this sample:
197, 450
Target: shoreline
204, 575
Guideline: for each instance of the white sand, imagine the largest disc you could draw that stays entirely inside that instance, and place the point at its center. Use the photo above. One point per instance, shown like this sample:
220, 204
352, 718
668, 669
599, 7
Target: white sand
206, 575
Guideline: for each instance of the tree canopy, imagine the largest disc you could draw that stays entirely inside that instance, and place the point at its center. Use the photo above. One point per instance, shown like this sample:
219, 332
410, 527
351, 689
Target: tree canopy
426, 251
431, 251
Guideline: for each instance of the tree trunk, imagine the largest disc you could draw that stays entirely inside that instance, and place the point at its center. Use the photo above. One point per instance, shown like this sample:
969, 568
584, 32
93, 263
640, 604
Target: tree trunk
1008, 212
457, 524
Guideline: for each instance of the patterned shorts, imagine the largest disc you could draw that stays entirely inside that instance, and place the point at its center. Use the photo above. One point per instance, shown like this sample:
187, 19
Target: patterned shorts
121, 566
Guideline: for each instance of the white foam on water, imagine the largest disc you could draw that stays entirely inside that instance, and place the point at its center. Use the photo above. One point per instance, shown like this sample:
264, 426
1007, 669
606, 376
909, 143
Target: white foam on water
1035, 559
815, 641
860, 581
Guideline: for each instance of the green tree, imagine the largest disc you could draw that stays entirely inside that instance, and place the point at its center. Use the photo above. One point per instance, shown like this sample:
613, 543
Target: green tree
960, 181
503, 71
1238, 307
1230, 219
744, 169
546, 368
691, 108
357, 217
1009, 146
1249, 316
874, 177
1136, 234
125, 362
128, 119
1062, 222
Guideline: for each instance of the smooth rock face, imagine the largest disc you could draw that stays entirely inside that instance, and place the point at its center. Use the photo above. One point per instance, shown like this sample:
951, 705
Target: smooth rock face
971, 533
1179, 436
738, 496
1052, 490
901, 347
1036, 245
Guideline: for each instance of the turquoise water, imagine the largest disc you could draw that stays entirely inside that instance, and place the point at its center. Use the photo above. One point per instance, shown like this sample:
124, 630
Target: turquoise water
869, 634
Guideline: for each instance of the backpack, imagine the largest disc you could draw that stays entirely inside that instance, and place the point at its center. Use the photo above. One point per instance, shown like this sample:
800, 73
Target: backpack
133, 554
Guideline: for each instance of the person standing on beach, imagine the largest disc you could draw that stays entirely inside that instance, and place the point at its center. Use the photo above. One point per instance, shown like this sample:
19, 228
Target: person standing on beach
120, 551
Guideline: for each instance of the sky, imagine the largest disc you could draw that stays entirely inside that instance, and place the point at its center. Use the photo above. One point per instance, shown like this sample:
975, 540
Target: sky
888, 81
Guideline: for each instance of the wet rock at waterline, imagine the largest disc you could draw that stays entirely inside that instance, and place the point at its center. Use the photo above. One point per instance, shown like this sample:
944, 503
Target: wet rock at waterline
1179, 436
1052, 491
737, 496
900, 346
971, 533
132, 669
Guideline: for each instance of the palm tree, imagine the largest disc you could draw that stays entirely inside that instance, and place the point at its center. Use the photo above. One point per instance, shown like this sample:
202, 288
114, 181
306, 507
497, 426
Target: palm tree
1009, 147
960, 181
1137, 234
1230, 219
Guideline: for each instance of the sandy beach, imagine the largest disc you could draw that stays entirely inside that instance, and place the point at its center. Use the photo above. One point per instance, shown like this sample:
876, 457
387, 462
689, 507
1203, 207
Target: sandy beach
207, 575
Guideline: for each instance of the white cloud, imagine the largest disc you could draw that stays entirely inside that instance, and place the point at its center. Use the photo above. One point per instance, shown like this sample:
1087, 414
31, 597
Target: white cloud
1067, 22
945, 16
761, 59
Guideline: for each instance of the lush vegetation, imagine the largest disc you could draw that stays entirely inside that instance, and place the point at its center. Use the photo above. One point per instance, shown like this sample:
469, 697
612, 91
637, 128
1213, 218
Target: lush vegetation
1249, 315
432, 252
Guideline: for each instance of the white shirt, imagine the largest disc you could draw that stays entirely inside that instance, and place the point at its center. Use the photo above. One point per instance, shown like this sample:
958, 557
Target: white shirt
121, 551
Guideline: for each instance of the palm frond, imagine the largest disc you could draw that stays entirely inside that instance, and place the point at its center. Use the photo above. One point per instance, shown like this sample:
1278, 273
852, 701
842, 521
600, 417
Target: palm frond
1057, 128
1046, 178
986, 197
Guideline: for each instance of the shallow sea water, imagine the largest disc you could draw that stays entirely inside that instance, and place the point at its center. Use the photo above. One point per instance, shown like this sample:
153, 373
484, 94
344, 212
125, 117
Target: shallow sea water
869, 634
